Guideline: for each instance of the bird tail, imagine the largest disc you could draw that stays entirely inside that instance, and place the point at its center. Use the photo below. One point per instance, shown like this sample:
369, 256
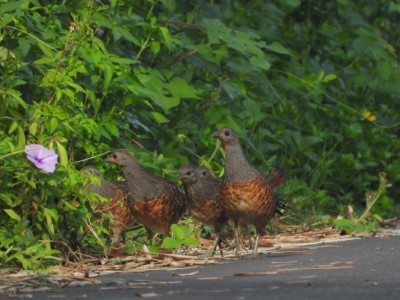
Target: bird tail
276, 178
282, 203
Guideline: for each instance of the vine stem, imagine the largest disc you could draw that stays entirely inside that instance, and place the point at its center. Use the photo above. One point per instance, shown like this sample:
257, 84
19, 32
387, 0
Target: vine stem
31, 35
94, 156
12, 153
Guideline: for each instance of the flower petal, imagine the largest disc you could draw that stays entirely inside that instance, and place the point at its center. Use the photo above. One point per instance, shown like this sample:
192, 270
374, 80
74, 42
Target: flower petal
49, 168
42, 157
33, 150
46, 153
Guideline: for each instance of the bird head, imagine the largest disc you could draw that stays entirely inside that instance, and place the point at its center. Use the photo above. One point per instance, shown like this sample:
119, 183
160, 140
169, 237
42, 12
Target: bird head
203, 173
121, 157
227, 136
187, 175
91, 171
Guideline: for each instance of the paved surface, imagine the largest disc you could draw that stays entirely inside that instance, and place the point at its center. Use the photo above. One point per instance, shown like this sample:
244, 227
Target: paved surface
358, 269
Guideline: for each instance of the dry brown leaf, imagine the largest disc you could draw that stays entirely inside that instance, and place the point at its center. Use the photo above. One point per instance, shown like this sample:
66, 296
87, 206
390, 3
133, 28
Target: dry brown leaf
209, 278
255, 273
205, 242
313, 268
147, 295
284, 262
296, 240
185, 274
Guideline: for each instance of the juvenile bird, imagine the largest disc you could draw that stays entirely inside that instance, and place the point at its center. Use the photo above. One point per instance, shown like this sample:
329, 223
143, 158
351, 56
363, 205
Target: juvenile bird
116, 193
155, 202
203, 199
246, 195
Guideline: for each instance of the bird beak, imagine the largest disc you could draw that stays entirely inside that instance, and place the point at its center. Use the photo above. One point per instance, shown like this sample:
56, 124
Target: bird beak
215, 135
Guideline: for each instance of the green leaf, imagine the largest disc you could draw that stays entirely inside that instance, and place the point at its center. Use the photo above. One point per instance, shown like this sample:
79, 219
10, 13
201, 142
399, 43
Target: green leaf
108, 74
77, 87
52, 125
260, 62
102, 20
45, 49
159, 118
10, 6
320, 75
177, 231
62, 154
212, 55
20, 139
216, 30
13, 214
180, 88
7, 199
171, 243
6, 19
278, 48
166, 36
16, 95
49, 221
153, 249
378, 217
119, 31
13, 127
155, 47
309, 141
33, 128
112, 129
24, 45
45, 61
329, 77
122, 60
190, 241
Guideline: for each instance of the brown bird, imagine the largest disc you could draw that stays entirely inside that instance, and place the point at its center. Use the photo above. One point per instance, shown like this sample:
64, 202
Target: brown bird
116, 193
203, 199
247, 195
155, 202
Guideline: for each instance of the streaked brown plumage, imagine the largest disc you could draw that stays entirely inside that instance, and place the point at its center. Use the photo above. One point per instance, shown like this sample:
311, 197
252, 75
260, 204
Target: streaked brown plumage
247, 195
155, 202
116, 193
203, 199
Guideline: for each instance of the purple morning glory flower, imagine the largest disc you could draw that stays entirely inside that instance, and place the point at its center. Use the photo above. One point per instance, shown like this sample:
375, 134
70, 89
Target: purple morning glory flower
42, 157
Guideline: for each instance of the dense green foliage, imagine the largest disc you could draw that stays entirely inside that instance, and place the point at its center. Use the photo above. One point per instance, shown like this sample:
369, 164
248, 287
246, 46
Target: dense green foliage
312, 86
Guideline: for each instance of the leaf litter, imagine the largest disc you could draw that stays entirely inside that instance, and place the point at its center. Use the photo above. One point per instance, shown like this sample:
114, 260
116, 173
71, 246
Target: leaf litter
296, 240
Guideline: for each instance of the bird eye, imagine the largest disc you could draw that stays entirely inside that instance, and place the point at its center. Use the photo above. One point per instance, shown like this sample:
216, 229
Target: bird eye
115, 155
226, 133
204, 173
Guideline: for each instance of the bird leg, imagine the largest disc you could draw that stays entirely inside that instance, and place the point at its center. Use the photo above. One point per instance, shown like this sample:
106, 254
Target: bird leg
251, 243
256, 244
150, 236
237, 240
248, 236
218, 242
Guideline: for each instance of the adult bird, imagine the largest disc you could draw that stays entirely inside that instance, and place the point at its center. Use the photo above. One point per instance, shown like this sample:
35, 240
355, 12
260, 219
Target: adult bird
154, 201
246, 195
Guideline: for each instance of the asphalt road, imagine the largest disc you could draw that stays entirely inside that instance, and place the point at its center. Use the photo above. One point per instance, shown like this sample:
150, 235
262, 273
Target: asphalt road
367, 268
